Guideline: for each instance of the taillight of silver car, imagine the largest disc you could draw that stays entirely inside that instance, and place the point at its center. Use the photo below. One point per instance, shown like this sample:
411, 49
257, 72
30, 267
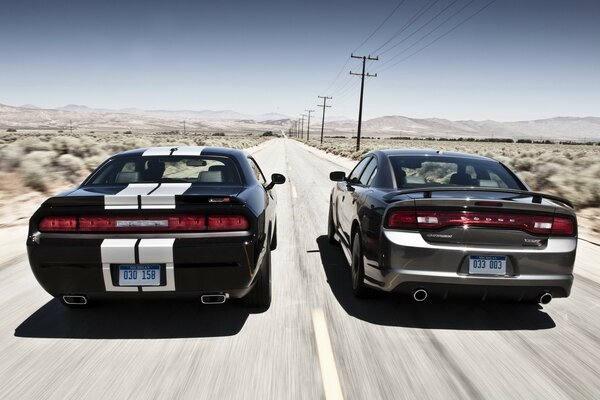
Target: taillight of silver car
161, 223
536, 224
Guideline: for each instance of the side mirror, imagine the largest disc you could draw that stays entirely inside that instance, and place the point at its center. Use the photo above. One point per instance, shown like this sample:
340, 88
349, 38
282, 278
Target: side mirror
276, 179
337, 176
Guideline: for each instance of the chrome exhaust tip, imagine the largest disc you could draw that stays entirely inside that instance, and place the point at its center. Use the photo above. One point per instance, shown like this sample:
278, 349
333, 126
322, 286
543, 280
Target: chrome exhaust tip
420, 295
218, 298
75, 300
545, 298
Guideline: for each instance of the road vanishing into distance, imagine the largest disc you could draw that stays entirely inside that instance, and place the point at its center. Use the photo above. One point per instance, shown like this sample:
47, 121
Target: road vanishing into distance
315, 341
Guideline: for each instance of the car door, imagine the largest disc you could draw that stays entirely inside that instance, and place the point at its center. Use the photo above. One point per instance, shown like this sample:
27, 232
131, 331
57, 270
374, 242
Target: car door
346, 199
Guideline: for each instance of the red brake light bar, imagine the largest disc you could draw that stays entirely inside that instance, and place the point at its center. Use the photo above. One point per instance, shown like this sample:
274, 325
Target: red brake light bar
152, 223
536, 224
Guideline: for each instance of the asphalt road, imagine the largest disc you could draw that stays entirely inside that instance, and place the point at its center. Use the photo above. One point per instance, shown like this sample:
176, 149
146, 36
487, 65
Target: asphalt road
315, 341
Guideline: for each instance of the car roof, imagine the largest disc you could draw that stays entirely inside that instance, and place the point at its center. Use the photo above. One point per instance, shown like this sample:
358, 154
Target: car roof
201, 150
428, 152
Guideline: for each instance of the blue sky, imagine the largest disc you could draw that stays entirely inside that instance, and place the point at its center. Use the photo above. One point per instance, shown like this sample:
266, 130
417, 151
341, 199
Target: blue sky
515, 60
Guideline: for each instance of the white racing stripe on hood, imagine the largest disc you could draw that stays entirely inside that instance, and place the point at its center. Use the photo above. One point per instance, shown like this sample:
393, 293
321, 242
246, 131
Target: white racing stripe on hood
164, 196
128, 197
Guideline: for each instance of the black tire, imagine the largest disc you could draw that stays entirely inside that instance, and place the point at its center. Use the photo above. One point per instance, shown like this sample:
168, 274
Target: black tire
331, 226
358, 270
274, 239
260, 295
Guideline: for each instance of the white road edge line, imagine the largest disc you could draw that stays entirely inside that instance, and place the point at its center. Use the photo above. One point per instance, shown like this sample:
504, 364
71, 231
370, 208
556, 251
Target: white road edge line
329, 375
294, 193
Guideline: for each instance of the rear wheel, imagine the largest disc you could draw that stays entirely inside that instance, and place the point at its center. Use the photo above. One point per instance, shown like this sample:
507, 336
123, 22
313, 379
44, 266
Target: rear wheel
331, 226
358, 270
260, 294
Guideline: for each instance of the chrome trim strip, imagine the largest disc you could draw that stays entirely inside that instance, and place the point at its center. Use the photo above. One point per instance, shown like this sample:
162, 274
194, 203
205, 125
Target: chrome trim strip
414, 239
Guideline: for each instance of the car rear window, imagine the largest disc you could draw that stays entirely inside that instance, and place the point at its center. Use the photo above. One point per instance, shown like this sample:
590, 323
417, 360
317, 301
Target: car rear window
427, 171
166, 169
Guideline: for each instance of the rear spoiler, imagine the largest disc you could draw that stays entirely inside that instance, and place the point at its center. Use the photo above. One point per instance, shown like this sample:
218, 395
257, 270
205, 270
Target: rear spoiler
536, 196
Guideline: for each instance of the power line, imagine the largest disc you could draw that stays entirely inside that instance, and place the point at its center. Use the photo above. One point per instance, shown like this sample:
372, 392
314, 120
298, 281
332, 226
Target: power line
362, 90
389, 60
338, 74
464, 21
421, 27
324, 105
380, 25
408, 24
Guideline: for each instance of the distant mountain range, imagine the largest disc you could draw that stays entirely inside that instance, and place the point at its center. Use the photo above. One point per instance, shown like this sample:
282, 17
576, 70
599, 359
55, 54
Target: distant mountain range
86, 118
190, 114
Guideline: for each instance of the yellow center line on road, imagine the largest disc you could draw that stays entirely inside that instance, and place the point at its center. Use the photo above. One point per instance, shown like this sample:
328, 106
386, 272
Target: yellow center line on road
329, 375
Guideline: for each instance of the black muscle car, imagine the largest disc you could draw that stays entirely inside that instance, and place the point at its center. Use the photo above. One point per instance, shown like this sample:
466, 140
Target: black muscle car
164, 221
450, 224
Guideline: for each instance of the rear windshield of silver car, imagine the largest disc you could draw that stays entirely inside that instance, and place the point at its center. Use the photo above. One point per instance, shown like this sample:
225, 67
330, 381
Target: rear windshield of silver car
204, 170
427, 171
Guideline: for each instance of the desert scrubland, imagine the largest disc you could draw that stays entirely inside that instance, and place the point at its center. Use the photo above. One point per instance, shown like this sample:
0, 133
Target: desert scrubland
34, 165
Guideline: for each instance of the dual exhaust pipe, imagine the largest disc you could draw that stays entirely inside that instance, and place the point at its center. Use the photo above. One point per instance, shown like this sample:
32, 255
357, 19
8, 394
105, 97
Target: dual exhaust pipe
420, 295
81, 300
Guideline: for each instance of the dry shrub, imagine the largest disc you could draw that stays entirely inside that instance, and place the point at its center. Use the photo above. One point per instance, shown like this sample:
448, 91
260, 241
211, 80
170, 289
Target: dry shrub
10, 157
34, 169
71, 167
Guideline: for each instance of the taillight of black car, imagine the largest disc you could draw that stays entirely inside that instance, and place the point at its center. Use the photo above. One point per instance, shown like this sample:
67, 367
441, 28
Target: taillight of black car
431, 220
147, 223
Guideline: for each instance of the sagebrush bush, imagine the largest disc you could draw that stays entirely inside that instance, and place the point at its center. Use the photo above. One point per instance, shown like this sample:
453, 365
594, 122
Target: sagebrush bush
34, 168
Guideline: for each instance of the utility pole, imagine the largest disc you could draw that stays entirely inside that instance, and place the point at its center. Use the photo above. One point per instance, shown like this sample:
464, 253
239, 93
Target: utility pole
362, 90
298, 128
308, 124
302, 126
184, 126
324, 105
71, 126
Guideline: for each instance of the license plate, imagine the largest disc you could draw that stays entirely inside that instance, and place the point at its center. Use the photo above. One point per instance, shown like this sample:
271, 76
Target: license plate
487, 265
139, 275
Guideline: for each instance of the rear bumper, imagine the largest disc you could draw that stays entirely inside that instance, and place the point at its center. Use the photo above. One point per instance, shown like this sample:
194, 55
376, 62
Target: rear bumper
409, 262
191, 265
